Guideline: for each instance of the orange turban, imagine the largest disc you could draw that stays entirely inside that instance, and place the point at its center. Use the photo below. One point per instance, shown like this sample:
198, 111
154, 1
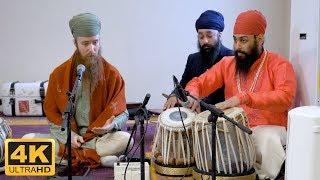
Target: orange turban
251, 22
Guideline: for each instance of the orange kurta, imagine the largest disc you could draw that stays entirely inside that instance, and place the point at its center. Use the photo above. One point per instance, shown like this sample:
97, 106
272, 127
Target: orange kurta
107, 99
272, 96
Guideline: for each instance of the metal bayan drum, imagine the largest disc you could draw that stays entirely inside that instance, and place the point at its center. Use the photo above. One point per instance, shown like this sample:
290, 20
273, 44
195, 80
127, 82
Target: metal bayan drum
235, 153
5, 132
172, 153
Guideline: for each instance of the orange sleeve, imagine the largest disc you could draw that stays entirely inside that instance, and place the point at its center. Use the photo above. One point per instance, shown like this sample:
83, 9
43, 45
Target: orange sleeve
112, 100
281, 98
207, 82
116, 105
50, 105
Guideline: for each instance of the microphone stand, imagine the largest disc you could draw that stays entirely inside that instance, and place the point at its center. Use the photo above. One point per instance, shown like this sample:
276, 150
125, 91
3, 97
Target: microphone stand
67, 115
140, 116
125, 154
213, 117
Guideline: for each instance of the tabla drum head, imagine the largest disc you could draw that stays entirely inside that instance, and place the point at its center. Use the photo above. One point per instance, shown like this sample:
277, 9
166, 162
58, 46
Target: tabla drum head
171, 118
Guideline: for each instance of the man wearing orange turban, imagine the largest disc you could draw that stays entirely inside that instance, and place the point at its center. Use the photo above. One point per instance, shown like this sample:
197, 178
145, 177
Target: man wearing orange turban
259, 81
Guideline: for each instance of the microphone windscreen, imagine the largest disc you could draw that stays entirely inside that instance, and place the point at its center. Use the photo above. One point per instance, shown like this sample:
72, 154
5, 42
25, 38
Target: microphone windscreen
81, 68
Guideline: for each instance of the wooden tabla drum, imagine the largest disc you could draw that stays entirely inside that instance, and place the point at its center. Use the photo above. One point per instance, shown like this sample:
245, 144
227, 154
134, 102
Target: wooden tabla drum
235, 152
172, 153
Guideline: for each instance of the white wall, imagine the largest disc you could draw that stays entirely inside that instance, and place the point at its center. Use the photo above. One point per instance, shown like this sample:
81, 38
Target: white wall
305, 18
148, 41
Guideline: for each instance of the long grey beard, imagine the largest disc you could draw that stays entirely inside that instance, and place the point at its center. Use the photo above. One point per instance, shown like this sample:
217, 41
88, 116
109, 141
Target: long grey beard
94, 73
94, 69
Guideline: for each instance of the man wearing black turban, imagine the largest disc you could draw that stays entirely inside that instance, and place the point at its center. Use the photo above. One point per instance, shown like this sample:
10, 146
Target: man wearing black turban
209, 27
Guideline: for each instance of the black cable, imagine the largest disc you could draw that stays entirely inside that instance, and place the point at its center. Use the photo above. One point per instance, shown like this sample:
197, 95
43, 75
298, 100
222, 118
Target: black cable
135, 150
185, 130
133, 137
141, 137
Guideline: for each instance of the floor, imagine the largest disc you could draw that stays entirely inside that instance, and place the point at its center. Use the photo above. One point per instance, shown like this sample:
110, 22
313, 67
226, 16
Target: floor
23, 125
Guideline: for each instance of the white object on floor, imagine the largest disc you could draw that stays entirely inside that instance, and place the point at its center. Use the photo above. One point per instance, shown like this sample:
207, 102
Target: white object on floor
133, 171
303, 143
108, 161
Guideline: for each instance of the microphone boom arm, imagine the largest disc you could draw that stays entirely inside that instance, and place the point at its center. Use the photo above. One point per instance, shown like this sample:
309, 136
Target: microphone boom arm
219, 113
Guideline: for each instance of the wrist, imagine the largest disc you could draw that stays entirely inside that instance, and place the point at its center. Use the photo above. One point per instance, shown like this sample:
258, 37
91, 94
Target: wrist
243, 98
172, 95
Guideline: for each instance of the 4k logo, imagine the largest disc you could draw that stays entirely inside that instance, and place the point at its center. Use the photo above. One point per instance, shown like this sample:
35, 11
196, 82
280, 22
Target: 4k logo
29, 157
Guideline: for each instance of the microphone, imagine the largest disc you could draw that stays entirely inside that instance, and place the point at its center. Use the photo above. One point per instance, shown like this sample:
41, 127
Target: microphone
179, 92
146, 100
70, 106
142, 111
80, 70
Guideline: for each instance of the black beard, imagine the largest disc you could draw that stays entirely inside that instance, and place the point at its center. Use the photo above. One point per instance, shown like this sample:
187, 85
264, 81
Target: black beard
243, 65
209, 52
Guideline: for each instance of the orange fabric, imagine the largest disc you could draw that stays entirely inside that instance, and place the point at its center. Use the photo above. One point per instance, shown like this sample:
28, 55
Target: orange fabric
107, 99
81, 157
271, 98
251, 22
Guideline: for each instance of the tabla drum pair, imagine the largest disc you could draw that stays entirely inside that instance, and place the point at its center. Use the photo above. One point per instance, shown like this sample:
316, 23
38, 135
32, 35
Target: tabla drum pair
177, 153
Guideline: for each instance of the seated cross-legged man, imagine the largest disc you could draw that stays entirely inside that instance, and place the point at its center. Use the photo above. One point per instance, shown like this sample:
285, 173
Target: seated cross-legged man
100, 108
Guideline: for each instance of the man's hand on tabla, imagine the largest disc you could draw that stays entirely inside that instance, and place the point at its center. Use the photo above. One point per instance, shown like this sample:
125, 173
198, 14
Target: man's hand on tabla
194, 105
